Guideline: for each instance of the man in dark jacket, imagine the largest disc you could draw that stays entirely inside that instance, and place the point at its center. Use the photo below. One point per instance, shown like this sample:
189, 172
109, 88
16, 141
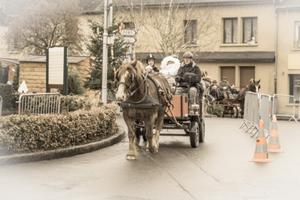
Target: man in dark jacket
189, 66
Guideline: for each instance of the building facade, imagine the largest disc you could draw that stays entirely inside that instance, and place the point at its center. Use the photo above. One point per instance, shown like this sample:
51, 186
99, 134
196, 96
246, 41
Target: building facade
231, 40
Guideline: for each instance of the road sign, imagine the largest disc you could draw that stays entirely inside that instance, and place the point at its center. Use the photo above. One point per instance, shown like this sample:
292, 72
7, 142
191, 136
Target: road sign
128, 32
129, 40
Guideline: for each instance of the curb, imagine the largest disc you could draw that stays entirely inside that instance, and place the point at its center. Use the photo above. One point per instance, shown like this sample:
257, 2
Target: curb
61, 153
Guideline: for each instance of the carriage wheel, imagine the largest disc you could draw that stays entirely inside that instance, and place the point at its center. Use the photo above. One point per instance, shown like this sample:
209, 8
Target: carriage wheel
194, 134
202, 131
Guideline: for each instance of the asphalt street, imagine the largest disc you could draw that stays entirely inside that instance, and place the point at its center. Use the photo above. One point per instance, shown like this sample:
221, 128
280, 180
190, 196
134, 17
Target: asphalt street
219, 169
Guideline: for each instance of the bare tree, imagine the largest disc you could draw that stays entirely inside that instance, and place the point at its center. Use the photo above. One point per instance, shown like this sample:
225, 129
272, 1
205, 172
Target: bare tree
47, 24
169, 24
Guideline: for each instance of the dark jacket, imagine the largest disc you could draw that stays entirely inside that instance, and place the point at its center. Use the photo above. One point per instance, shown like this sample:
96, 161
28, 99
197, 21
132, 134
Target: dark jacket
191, 68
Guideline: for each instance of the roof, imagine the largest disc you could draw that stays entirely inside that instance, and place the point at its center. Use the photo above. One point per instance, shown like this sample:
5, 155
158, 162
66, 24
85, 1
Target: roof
10, 60
42, 59
96, 6
167, 2
14, 7
224, 57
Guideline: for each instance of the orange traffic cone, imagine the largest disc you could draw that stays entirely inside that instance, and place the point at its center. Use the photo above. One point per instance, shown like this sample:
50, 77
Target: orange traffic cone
274, 145
261, 149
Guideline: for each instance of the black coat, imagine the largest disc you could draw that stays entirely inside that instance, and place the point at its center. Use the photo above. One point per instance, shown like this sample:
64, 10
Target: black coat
191, 68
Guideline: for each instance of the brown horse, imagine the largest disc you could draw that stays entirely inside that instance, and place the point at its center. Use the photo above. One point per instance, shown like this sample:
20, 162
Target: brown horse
142, 97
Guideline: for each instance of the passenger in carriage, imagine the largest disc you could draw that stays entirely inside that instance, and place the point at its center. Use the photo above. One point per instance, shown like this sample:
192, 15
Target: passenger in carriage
189, 66
169, 68
151, 68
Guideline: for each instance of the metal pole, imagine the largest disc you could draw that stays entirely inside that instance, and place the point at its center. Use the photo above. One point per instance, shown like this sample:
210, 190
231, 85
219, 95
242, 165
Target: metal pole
276, 49
105, 57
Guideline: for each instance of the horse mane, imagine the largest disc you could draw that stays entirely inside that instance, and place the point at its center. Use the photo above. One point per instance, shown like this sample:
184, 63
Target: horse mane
136, 67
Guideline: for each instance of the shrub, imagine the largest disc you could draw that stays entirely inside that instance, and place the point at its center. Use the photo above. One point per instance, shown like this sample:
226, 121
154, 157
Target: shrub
74, 83
9, 98
29, 133
72, 103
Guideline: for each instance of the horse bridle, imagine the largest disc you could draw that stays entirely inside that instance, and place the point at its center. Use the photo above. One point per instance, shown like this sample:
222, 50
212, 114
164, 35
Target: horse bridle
132, 92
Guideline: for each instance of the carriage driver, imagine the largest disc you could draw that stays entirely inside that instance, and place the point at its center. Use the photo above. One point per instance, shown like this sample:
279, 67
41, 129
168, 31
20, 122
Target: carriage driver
150, 68
189, 66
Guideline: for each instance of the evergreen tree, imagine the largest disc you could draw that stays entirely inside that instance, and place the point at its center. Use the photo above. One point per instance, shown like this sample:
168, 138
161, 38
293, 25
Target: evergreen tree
95, 47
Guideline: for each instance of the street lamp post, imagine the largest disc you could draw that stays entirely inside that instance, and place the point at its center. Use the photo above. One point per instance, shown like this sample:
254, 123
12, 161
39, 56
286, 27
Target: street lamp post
104, 57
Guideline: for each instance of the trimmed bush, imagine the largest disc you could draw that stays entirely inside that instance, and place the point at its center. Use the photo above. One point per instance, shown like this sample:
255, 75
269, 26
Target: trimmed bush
74, 83
72, 103
9, 98
28, 133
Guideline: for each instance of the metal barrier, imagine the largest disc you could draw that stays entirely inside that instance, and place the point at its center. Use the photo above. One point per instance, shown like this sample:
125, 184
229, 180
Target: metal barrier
285, 106
1, 102
265, 110
39, 103
262, 106
251, 113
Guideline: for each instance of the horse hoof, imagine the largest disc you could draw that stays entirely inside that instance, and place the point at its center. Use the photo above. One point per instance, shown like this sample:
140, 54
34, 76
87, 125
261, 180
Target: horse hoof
130, 157
153, 150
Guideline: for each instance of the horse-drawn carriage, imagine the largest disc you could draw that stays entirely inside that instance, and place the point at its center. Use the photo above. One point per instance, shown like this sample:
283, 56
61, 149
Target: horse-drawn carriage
184, 113
148, 107
224, 100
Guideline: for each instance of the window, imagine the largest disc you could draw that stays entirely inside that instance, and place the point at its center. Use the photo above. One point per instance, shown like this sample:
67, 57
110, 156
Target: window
190, 31
250, 30
297, 35
295, 85
230, 30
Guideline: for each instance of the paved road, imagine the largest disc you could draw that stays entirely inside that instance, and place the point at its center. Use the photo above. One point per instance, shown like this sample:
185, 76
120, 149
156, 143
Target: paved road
217, 170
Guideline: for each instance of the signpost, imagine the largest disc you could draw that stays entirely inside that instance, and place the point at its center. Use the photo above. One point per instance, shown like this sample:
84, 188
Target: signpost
57, 69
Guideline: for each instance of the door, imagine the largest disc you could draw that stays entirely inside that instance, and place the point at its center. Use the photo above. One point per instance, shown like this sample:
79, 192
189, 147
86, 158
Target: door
228, 74
246, 73
3, 75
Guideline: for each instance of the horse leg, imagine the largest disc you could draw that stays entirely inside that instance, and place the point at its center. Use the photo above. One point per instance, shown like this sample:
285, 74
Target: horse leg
149, 134
159, 125
131, 155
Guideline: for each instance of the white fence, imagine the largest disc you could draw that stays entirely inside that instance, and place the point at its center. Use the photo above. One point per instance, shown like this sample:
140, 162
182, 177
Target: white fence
39, 103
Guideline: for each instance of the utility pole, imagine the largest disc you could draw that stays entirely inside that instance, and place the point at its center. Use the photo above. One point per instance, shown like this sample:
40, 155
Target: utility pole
107, 22
104, 57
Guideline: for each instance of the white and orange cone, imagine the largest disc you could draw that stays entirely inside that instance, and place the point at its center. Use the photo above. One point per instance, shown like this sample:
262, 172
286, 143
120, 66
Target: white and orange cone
261, 148
274, 144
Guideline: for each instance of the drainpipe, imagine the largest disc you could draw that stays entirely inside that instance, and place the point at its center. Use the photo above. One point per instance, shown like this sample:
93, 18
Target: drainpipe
276, 48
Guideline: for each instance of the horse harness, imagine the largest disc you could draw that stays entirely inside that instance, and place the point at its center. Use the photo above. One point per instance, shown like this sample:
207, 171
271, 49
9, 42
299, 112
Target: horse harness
147, 102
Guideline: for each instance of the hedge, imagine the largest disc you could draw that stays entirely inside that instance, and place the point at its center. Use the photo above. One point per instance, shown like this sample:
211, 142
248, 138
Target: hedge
29, 133
72, 103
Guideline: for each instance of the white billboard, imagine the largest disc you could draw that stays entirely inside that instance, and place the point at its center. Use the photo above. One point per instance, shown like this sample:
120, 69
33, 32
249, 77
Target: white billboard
56, 66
